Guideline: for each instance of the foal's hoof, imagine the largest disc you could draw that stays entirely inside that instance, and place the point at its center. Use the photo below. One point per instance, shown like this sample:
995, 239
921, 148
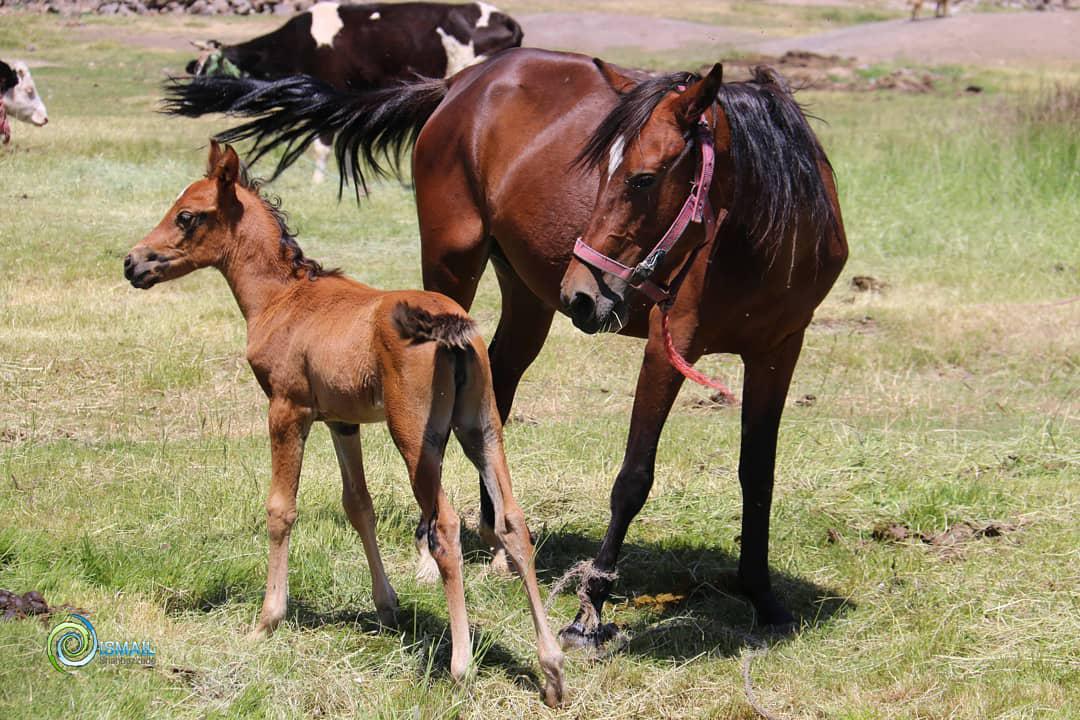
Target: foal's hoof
427, 570
501, 565
575, 637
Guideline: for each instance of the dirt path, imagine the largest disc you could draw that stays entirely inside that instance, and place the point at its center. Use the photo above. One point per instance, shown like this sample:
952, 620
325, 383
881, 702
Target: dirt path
1029, 39
593, 33
990, 39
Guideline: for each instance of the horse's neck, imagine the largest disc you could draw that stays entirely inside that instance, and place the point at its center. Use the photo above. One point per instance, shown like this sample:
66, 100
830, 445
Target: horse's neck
254, 268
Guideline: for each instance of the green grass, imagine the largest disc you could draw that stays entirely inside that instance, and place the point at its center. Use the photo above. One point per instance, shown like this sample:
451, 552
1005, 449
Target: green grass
134, 461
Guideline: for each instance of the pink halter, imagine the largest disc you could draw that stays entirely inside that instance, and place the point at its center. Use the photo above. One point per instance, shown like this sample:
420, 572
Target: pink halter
695, 209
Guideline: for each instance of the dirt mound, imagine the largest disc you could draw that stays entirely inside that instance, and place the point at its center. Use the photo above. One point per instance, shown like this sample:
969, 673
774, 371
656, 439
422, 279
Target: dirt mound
808, 70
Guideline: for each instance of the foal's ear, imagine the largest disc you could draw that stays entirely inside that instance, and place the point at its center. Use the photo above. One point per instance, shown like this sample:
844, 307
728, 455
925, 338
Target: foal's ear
224, 164
698, 97
619, 82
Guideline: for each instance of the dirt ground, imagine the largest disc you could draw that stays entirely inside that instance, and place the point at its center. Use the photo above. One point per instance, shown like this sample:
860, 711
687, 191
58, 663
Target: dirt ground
984, 39
1028, 39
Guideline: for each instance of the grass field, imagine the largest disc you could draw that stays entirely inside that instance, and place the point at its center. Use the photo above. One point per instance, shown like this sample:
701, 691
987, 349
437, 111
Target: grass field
134, 460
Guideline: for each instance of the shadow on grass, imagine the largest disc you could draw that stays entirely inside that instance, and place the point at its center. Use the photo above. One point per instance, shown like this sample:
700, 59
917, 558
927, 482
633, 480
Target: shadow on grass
428, 632
714, 618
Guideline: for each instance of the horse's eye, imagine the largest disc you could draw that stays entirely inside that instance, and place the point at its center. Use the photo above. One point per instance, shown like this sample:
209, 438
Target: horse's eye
641, 181
185, 220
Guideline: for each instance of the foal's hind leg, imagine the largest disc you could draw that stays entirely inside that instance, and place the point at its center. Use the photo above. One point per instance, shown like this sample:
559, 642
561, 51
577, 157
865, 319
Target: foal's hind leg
479, 431
421, 439
357, 502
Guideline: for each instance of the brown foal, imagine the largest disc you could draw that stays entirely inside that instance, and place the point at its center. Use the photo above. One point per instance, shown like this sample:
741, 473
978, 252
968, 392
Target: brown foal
326, 348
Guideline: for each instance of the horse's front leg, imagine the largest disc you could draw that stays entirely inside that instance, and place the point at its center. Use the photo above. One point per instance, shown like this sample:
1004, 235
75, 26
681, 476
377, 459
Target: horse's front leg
657, 387
289, 425
765, 388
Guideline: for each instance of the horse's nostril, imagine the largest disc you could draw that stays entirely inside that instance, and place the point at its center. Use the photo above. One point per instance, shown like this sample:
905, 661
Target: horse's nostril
581, 307
151, 256
127, 262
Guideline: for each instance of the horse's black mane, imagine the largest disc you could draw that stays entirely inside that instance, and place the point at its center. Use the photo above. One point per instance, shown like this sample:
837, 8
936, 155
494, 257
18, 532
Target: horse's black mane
775, 154
290, 249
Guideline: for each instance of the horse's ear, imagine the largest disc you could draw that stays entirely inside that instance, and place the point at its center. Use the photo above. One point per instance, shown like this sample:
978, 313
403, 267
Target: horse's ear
698, 97
619, 83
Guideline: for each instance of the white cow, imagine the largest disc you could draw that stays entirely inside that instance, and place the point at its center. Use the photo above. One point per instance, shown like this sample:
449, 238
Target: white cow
21, 98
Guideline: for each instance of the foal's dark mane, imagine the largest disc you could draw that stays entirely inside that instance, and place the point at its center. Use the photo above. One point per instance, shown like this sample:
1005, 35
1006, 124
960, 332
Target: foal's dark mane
775, 154
290, 249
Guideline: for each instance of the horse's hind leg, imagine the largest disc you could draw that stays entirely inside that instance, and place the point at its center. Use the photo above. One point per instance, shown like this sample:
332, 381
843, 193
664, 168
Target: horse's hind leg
454, 253
357, 502
765, 387
479, 431
421, 440
523, 328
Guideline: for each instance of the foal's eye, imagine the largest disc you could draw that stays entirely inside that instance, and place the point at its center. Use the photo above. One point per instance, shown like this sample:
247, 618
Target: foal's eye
641, 181
185, 220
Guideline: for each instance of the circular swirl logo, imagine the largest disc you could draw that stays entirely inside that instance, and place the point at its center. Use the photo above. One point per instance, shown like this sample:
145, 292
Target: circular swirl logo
72, 644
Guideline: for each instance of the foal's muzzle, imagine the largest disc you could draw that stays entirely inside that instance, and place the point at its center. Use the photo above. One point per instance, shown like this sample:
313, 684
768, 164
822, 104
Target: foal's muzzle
143, 272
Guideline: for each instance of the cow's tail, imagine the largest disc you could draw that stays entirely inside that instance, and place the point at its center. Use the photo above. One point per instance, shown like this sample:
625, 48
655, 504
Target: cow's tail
373, 127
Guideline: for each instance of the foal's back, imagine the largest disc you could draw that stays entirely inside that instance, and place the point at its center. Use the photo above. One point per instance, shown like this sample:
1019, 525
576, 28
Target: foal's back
334, 338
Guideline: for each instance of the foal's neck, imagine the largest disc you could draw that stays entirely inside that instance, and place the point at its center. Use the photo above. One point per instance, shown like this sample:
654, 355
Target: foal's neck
255, 267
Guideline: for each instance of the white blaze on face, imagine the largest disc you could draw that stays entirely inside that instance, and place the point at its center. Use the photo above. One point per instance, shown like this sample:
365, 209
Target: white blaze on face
374, 16
459, 55
325, 23
23, 101
615, 156
183, 191
485, 13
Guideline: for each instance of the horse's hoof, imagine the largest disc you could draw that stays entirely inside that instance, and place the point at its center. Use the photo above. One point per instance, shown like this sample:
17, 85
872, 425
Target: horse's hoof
575, 637
387, 617
780, 629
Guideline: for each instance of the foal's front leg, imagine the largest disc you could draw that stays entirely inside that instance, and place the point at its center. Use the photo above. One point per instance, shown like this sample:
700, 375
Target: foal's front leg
289, 425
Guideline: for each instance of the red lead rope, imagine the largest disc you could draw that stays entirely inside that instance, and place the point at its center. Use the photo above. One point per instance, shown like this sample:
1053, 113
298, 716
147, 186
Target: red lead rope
688, 370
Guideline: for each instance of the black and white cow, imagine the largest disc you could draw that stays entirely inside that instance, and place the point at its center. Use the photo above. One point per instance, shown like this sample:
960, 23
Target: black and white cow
367, 46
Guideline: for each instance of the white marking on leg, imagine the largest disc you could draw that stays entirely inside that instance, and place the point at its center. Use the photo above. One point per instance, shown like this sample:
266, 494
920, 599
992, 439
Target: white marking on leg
325, 23
615, 156
458, 55
485, 13
322, 152
374, 16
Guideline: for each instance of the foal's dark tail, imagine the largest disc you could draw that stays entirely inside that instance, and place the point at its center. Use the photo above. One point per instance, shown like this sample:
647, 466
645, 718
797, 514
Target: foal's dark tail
373, 127
453, 332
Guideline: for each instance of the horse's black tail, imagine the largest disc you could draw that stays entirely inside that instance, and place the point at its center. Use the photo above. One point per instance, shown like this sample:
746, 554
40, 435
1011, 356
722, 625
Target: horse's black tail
373, 127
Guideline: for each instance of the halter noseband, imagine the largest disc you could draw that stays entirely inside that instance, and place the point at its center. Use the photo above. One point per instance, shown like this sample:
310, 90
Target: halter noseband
696, 209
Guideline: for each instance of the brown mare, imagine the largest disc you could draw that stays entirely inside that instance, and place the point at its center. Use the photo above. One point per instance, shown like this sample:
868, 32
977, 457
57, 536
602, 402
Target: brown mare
516, 158
326, 348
